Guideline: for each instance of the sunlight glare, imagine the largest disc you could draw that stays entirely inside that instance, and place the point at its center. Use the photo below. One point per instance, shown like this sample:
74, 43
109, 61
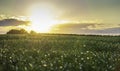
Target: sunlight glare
42, 18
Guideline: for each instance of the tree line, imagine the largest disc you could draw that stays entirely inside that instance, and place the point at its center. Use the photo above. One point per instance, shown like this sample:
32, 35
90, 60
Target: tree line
20, 31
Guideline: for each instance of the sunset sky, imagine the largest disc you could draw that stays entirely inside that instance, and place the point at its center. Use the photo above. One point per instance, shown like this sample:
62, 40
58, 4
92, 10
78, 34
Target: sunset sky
61, 16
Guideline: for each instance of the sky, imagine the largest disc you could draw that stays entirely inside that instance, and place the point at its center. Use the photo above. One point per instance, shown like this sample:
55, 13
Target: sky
82, 16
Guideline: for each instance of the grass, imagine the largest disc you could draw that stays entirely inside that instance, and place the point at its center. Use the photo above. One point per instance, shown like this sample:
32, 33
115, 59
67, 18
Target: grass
59, 53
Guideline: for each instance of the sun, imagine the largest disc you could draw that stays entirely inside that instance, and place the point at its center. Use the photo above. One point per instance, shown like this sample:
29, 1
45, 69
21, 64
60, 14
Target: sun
42, 18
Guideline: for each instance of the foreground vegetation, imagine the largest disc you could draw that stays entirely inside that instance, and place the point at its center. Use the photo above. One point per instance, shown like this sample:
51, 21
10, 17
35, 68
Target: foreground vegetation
59, 53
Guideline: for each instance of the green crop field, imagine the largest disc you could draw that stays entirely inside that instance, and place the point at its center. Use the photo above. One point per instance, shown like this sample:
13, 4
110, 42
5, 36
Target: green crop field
59, 53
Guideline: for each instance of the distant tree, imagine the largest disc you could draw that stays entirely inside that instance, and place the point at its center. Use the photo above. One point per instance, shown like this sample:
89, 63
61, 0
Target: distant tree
32, 32
15, 31
23, 31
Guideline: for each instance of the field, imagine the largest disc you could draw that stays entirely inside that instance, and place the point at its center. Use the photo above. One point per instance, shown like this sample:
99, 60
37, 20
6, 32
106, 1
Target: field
47, 52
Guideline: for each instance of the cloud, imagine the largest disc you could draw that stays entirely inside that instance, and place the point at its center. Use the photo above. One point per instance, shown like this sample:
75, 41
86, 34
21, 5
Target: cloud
12, 22
87, 28
109, 31
78, 10
75, 10
71, 26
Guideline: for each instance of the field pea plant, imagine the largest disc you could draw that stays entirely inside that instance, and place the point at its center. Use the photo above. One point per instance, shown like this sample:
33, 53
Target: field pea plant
47, 52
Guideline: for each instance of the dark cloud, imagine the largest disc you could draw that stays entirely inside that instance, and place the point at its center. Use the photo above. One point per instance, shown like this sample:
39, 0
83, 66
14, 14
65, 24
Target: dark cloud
110, 31
12, 22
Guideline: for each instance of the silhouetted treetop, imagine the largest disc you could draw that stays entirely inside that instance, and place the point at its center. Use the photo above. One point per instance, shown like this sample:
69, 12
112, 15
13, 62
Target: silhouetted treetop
15, 31
32, 32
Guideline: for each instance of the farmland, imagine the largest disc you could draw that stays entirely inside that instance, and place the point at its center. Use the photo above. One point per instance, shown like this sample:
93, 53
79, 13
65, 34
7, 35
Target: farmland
59, 53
